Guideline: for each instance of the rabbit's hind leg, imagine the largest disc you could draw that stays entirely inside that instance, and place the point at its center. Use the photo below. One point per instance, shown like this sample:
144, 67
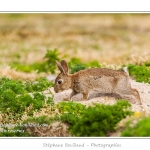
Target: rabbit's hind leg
130, 98
129, 94
137, 96
124, 89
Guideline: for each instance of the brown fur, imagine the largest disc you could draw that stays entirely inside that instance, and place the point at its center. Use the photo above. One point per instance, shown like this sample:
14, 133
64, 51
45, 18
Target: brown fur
98, 79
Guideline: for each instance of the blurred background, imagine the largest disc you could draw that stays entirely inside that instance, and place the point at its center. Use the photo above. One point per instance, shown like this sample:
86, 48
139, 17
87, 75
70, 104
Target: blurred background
29, 46
106, 38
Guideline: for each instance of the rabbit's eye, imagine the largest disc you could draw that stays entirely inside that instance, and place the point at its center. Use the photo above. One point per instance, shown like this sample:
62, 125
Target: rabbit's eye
59, 81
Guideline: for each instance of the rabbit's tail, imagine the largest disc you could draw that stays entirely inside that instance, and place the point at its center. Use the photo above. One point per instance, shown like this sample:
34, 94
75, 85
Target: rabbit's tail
125, 69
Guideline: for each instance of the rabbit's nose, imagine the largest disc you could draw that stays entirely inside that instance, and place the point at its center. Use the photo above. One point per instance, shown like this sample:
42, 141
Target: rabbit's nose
55, 89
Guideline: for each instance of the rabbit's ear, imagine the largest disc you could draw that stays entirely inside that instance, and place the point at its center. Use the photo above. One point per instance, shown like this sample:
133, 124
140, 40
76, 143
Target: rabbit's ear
60, 67
64, 66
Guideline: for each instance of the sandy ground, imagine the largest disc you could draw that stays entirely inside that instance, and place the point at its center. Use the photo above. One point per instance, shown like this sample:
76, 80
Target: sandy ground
143, 89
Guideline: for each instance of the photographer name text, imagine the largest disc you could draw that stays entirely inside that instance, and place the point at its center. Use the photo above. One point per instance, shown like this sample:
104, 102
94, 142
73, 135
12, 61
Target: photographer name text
56, 145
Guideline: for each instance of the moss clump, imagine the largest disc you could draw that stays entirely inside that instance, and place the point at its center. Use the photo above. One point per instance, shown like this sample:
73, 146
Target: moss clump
15, 97
140, 129
140, 72
75, 65
96, 120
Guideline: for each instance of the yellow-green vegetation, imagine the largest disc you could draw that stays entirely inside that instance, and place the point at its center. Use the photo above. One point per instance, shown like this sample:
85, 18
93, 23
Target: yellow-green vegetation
107, 38
24, 107
30, 44
48, 64
16, 98
140, 129
140, 72
96, 120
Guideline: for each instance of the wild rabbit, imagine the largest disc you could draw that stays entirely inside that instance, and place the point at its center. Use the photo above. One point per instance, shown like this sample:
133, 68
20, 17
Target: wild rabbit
95, 79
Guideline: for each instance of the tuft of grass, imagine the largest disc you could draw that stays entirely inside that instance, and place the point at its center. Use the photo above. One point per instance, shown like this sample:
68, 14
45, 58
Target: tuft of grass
140, 129
96, 120
48, 64
75, 65
15, 98
40, 84
140, 72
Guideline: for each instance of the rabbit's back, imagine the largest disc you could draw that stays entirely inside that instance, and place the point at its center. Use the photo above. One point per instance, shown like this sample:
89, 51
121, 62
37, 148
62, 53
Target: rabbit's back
101, 79
102, 72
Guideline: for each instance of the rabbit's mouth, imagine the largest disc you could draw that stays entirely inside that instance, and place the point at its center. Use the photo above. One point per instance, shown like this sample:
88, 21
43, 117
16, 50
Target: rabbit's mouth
57, 91
60, 90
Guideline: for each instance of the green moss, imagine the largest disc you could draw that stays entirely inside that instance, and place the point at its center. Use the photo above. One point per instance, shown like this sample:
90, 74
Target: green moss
48, 64
140, 73
41, 120
75, 65
40, 85
96, 120
14, 95
15, 132
140, 129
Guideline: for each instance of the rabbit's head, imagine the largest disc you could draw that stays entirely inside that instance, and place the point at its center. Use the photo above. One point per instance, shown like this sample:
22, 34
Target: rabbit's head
63, 80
